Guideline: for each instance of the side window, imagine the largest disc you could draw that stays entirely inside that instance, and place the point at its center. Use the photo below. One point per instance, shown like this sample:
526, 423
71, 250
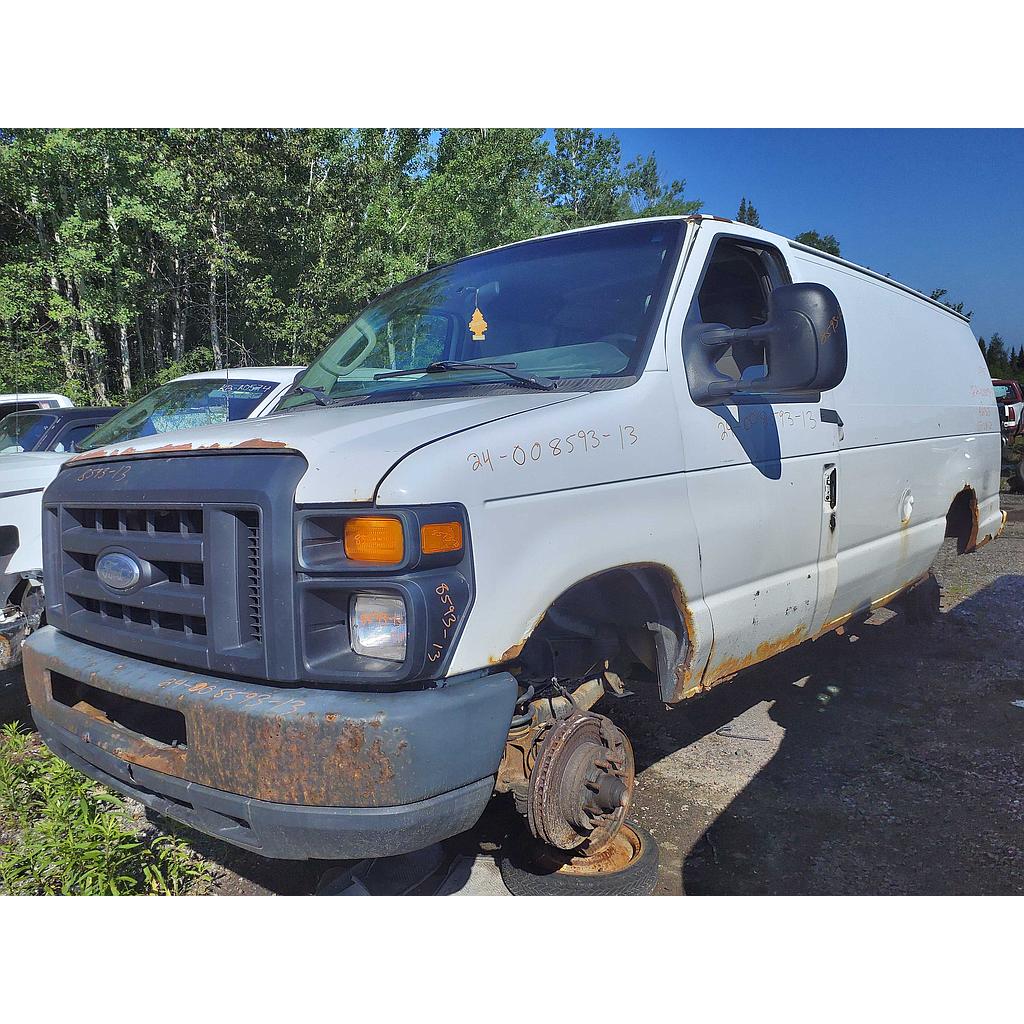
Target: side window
71, 435
734, 292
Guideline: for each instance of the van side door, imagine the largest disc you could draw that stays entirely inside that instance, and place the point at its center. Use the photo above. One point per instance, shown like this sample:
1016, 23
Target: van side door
761, 469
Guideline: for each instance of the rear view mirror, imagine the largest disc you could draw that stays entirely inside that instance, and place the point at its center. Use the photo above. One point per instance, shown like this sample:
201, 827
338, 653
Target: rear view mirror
804, 341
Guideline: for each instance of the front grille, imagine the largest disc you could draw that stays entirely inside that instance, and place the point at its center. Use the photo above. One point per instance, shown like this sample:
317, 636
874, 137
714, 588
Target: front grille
173, 545
168, 543
253, 573
212, 535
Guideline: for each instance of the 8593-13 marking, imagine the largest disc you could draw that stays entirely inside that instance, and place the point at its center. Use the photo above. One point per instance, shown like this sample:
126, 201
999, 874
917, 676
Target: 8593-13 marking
624, 436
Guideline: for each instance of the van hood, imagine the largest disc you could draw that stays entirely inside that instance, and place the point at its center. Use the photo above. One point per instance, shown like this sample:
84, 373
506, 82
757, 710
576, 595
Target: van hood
28, 471
348, 449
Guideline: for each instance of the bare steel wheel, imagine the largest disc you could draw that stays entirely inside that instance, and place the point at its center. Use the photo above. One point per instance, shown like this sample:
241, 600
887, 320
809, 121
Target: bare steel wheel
581, 784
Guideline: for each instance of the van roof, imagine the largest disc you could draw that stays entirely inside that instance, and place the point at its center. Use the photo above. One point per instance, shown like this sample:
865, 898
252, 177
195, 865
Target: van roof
696, 218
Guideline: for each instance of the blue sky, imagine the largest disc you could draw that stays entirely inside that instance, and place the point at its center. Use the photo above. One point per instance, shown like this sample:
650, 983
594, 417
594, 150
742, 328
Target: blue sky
934, 208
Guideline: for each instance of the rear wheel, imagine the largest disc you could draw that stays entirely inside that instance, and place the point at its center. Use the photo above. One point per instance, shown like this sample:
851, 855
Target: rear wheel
626, 866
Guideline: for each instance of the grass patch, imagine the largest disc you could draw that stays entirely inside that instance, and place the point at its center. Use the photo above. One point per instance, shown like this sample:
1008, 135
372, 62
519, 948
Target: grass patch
61, 833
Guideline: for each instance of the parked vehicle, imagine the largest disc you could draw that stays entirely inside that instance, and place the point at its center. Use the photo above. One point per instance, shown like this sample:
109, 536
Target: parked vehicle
190, 401
29, 400
636, 451
55, 430
1011, 407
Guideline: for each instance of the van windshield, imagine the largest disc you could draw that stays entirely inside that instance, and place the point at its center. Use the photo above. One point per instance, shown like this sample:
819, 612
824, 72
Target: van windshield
181, 405
576, 306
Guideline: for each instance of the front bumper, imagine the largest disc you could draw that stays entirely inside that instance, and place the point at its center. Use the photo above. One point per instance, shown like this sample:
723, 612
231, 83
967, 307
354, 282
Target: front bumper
285, 772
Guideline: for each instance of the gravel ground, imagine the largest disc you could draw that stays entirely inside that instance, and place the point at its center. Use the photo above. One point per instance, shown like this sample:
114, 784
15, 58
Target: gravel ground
887, 760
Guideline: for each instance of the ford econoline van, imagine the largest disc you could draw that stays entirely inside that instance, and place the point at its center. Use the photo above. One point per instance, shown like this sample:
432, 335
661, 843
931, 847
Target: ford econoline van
657, 452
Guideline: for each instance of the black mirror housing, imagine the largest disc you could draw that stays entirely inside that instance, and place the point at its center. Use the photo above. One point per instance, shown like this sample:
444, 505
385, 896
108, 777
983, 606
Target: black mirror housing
807, 344
804, 339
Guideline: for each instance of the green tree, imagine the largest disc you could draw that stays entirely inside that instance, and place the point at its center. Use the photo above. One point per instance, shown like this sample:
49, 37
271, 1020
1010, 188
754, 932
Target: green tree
128, 256
747, 214
828, 243
996, 355
939, 295
584, 182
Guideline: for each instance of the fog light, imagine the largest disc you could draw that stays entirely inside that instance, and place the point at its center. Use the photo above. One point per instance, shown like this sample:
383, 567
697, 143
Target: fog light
377, 626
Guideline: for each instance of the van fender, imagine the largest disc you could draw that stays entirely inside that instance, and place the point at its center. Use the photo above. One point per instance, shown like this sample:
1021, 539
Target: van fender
641, 608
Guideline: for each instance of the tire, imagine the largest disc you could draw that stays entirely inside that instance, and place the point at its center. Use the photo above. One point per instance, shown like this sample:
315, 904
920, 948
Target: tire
1017, 477
526, 874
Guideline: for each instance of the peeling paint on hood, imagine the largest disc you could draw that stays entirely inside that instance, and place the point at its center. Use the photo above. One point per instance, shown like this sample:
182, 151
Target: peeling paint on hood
349, 449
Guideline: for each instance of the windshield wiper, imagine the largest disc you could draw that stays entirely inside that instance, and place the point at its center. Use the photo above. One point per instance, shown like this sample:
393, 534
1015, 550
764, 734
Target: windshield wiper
316, 393
531, 380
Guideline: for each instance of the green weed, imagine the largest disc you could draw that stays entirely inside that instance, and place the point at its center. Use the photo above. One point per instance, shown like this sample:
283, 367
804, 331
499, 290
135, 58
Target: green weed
61, 833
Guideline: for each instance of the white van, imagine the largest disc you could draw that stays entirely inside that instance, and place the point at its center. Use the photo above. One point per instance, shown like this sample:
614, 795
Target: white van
659, 451
194, 400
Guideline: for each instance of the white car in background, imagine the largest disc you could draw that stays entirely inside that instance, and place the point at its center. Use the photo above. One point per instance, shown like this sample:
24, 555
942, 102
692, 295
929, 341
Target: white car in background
195, 400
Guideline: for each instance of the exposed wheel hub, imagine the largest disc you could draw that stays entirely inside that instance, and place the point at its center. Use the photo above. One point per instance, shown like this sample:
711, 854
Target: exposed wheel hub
581, 784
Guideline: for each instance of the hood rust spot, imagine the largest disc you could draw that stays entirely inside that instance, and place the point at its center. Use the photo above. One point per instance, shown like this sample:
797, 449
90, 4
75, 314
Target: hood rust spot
260, 442
183, 446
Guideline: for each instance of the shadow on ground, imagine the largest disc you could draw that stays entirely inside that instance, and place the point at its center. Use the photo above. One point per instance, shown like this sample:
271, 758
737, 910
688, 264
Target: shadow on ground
888, 760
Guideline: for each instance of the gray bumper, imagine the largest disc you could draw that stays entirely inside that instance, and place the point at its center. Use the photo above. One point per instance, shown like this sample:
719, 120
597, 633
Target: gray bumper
284, 772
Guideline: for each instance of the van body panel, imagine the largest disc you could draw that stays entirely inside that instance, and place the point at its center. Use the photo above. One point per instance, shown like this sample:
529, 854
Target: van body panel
557, 496
755, 468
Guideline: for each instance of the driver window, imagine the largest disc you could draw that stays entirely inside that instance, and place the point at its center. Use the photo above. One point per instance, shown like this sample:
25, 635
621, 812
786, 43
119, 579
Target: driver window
734, 292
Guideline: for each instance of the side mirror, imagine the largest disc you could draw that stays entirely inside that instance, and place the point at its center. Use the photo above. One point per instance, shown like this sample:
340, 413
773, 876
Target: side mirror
804, 342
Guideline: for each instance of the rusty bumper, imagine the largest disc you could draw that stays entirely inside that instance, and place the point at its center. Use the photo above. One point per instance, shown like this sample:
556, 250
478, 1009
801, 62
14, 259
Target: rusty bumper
287, 772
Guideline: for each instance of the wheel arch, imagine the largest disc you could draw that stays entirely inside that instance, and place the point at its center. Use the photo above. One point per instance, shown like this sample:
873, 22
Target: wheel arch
635, 612
962, 520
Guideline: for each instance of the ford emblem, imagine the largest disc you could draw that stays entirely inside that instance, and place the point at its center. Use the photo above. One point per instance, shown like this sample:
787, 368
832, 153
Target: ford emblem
118, 571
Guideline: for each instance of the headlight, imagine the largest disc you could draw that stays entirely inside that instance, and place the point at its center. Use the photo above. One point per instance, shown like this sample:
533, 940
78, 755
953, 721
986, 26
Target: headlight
377, 626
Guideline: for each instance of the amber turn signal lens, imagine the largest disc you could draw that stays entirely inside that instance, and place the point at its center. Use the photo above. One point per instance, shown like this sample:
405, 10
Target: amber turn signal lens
374, 539
436, 538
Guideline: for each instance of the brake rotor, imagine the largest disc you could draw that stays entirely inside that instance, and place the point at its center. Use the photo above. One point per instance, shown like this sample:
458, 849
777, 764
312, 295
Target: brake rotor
581, 784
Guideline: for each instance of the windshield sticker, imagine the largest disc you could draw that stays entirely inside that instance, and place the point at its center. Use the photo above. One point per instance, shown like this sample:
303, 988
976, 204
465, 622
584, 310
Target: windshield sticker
478, 325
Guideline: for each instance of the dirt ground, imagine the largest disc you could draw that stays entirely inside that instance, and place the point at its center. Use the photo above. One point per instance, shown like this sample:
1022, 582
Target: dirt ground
888, 760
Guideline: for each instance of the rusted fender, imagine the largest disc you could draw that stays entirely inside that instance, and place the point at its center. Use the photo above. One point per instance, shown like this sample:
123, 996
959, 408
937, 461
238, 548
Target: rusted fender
296, 746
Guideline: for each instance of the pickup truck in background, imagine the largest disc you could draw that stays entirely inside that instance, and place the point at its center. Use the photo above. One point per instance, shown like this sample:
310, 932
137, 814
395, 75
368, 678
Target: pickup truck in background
50, 430
1010, 400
